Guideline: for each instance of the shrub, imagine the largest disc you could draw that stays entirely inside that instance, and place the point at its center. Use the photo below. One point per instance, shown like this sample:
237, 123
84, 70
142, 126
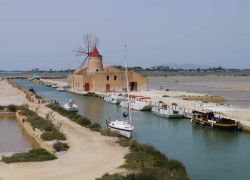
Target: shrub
51, 131
95, 127
12, 108
52, 135
59, 146
31, 156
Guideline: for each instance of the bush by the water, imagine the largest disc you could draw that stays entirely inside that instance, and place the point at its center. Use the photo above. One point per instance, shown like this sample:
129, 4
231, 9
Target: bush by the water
148, 162
12, 108
59, 146
31, 156
51, 132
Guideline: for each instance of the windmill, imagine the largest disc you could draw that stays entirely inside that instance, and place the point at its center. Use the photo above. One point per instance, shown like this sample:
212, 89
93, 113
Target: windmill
90, 42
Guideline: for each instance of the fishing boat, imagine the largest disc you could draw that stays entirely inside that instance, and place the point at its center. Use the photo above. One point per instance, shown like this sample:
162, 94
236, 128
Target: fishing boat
71, 106
124, 126
113, 99
141, 106
137, 103
60, 89
168, 112
208, 119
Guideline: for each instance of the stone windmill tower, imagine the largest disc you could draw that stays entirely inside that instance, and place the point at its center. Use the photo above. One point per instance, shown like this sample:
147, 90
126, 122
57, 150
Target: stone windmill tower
91, 55
95, 61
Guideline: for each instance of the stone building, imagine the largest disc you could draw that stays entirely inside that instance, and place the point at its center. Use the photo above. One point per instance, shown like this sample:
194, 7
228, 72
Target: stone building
94, 77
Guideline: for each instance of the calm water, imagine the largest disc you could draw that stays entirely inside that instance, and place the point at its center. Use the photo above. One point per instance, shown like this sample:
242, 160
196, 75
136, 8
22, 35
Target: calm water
12, 136
206, 153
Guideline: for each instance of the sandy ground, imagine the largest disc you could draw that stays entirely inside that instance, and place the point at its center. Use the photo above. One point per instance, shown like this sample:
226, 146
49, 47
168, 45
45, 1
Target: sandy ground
10, 95
90, 155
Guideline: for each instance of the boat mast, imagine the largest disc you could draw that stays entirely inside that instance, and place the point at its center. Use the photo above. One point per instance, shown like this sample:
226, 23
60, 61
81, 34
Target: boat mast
126, 71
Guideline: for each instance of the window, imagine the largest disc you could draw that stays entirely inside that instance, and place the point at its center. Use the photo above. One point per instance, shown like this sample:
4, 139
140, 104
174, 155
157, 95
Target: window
107, 78
115, 78
96, 70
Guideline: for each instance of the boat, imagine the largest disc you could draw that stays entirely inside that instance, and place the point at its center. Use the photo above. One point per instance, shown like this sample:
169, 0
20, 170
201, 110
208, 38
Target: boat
124, 126
60, 89
54, 86
113, 99
141, 105
137, 104
167, 112
70, 106
209, 119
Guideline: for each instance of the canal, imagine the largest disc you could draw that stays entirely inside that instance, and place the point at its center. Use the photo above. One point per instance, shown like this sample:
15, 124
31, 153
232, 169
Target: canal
12, 136
206, 153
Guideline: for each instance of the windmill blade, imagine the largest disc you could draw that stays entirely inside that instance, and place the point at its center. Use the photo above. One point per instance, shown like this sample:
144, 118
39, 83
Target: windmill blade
95, 42
83, 62
80, 52
88, 41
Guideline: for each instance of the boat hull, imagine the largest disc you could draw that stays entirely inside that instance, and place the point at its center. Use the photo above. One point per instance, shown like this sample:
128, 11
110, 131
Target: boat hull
173, 116
122, 132
231, 127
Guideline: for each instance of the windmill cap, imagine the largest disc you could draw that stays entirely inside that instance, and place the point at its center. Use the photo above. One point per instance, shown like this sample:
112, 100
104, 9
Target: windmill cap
95, 53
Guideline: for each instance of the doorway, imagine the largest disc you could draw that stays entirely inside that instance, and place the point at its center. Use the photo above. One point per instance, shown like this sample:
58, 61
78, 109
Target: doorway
107, 87
86, 86
133, 86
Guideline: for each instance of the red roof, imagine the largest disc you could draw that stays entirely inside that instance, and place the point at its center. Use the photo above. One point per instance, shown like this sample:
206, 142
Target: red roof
94, 53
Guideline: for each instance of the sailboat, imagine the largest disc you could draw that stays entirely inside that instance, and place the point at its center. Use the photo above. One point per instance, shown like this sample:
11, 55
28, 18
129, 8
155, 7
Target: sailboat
123, 127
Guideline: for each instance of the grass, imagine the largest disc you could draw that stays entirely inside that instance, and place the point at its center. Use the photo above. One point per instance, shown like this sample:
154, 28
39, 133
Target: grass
144, 161
31, 156
50, 131
205, 99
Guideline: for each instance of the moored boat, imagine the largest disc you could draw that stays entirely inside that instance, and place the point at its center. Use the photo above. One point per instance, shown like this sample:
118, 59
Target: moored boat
60, 89
123, 127
208, 119
141, 105
70, 106
167, 112
113, 99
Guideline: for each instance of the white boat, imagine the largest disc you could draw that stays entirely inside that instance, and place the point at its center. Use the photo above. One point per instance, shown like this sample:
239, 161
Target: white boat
60, 89
141, 106
70, 106
123, 127
54, 86
113, 99
124, 103
167, 112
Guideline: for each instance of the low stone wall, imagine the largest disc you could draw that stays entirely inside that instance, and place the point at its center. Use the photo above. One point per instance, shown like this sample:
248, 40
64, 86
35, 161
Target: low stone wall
34, 133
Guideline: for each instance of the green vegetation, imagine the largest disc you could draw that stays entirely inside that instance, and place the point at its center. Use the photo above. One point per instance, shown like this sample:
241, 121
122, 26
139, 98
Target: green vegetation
31, 156
51, 132
59, 146
143, 161
11, 108
148, 163
2, 108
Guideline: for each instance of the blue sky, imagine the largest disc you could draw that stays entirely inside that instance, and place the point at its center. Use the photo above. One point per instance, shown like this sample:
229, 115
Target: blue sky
43, 33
